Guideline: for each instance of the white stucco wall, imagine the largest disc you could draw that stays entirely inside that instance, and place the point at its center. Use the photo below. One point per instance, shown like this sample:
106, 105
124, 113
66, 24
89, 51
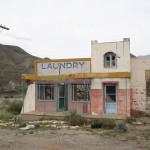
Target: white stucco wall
63, 68
124, 83
121, 49
29, 101
138, 82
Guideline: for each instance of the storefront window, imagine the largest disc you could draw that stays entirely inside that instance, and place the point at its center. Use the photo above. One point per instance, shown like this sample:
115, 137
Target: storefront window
45, 91
80, 92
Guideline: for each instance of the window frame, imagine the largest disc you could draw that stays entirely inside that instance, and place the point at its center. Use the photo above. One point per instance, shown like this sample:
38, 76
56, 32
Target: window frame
109, 63
43, 86
86, 92
110, 93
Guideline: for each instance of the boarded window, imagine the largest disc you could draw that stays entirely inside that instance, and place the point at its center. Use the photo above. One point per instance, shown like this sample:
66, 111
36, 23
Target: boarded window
147, 77
80, 92
45, 91
148, 88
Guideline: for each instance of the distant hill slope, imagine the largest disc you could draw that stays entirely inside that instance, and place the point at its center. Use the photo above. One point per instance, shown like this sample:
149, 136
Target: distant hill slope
14, 61
145, 56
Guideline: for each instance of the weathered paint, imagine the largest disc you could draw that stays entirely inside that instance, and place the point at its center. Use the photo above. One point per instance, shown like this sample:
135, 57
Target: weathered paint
79, 76
138, 83
129, 74
45, 106
97, 102
147, 74
138, 99
122, 51
29, 101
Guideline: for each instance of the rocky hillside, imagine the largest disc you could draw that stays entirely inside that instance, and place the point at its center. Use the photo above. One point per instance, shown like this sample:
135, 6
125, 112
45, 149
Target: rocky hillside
14, 61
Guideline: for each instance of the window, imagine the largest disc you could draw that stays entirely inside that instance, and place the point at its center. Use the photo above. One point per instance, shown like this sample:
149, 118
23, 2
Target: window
110, 60
45, 91
110, 93
80, 92
148, 88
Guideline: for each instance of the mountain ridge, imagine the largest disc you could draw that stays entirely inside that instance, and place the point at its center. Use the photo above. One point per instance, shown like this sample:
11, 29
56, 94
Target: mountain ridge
14, 61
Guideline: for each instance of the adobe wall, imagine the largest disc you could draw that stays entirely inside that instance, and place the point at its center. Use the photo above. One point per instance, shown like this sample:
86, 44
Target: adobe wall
138, 83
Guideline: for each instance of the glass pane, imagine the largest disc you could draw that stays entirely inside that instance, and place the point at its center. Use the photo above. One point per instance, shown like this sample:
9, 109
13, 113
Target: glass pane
48, 92
81, 92
108, 58
113, 63
113, 57
41, 92
111, 98
110, 89
45, 92
61, 90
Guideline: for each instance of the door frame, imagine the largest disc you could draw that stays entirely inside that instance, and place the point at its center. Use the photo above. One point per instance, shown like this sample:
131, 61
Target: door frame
111, 107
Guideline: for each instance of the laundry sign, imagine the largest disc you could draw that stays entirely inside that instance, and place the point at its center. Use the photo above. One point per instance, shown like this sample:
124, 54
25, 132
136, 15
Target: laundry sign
62, 68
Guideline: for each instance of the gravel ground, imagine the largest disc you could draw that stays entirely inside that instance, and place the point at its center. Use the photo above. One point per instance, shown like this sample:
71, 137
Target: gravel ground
62, 139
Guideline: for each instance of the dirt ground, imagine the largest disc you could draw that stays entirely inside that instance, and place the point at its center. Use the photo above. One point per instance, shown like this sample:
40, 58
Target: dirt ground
137, 138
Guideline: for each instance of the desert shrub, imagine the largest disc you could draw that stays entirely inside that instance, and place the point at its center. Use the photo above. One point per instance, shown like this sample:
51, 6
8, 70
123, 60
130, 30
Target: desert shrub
103, 123
121, 126
108, 123
37, 125
96, 123
6, 116
74, 119
130, 119
15, 107
22, 124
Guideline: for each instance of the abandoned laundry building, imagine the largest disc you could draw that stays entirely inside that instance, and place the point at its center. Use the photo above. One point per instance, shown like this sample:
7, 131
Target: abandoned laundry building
112, 81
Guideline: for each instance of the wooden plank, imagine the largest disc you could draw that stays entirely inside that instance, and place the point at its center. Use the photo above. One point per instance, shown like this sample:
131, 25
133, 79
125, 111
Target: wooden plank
147, 74
79, 76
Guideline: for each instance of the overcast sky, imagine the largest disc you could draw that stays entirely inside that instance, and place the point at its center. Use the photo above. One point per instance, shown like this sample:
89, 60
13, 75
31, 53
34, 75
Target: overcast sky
65, 28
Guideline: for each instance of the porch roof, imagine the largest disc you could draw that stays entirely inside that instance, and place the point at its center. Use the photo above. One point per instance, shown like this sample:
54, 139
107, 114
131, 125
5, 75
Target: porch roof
78, 76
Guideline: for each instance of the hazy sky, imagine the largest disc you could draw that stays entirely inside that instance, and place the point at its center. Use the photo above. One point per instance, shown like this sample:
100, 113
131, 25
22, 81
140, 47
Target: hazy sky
65, 28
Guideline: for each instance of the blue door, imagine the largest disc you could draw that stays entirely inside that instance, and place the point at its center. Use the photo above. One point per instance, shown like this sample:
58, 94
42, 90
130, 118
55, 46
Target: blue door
110, 96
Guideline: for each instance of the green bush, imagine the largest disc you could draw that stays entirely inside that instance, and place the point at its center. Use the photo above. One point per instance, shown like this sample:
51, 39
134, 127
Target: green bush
74, 119
6, 116
15, 107
108, 124
96, 123
103, 123
121, 126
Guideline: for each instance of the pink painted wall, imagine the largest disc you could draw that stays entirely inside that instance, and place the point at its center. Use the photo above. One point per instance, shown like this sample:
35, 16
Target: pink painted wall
138, 100
80, 107
98, 106
123, 102
49, 106
97, 102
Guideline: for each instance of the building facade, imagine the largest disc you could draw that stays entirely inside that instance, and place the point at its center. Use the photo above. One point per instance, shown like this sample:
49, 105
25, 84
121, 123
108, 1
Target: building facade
106, 83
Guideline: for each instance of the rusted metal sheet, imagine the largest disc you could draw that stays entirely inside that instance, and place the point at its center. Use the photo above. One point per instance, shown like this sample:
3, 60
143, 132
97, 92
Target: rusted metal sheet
147, 74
